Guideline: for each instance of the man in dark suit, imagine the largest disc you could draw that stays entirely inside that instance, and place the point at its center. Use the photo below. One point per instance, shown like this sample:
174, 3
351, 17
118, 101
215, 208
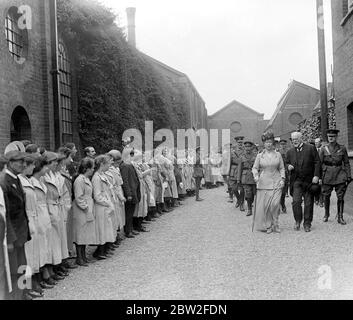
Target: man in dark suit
16, 219
304, 166
283, 151
131, 189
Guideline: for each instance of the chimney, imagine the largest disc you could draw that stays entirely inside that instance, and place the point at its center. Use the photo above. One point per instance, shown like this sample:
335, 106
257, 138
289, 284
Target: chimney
131, 26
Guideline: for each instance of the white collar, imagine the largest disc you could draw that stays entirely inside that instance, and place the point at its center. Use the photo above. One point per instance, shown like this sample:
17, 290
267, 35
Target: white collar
11, 174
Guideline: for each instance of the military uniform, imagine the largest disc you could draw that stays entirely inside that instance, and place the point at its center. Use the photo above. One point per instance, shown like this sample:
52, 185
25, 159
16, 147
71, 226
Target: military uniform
246, 178
198, 175
235, 188
336, 174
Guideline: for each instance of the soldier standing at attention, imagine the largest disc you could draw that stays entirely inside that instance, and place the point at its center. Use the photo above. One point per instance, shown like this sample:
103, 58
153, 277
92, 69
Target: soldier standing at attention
245, 176
336, 173
198, 174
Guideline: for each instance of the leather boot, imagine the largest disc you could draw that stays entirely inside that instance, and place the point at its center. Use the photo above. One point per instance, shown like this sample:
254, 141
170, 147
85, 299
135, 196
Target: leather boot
249, 209
84, 256
158, 209
327, 208
230, 196
241, 206
340, 206
79, 259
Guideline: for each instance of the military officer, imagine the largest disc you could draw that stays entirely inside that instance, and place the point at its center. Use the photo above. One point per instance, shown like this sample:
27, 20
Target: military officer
283, 151
199, 173
336, 173
236, 188
245, 176
319, 199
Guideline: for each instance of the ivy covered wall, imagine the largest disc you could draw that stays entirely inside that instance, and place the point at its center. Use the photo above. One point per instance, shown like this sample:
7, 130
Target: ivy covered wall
118, 88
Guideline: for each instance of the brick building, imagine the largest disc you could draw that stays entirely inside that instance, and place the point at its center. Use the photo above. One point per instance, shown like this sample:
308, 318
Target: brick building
241, 120
296, 104
342, 33
37, 91
195, 104
179, 80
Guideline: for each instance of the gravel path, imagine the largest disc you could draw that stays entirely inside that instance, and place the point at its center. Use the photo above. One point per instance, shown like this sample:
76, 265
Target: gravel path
206, 250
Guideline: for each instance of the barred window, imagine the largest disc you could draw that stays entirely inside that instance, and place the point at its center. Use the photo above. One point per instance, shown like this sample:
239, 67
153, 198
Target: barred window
16, 38
347, 6
65, 95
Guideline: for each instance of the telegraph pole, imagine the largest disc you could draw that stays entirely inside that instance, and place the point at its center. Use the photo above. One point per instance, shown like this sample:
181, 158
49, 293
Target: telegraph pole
322, 67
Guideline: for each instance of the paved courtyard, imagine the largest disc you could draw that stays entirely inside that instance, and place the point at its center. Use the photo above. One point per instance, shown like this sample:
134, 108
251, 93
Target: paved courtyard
206, 250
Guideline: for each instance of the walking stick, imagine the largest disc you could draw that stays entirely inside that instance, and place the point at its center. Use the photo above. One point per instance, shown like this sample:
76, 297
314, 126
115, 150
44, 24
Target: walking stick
253, 220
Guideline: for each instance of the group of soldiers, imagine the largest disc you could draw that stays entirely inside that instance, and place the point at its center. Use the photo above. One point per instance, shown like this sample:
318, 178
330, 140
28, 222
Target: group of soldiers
335, 173
237, 173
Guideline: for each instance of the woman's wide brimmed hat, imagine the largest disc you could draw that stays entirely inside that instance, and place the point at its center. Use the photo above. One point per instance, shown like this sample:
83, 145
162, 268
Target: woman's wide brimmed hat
268, 136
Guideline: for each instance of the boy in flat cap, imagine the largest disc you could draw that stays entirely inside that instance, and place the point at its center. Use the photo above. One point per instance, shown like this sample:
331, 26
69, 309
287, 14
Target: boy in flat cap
336, 173
16, 219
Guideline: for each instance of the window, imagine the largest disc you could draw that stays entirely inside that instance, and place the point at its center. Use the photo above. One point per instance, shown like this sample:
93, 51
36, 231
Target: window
236, 127
65, 95
295, 118
347, 6
16, 38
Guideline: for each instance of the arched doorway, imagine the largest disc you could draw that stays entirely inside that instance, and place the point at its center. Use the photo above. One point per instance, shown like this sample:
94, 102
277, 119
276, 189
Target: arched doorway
20, 125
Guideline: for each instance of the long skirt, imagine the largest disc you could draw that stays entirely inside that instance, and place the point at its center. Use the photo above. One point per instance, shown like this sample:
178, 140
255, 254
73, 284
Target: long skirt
104, 224
69, 228
267, 209
63, 231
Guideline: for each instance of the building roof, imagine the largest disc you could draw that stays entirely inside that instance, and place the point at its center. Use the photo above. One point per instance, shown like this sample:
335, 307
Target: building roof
239, 104
282, 102
172, 70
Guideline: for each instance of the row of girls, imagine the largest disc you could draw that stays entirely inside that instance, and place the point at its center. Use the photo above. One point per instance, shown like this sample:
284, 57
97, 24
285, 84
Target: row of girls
69, 210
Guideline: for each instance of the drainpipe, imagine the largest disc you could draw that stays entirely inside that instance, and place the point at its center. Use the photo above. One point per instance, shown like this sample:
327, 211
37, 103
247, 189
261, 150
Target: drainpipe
55, 72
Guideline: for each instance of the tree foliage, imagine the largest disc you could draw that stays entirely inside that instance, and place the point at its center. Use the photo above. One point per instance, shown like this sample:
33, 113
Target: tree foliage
311, 127
118, 88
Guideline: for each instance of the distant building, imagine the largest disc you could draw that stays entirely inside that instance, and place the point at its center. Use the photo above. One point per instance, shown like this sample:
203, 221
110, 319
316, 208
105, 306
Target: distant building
241, 120
195, 104
295, 105
31, 106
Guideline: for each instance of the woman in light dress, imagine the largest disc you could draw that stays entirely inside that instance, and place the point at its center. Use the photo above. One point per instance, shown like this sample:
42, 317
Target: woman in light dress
103, 208
269, 174
32, 247
55, 207
83, 220
141, 208
46, 236
116, 180
65, 203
